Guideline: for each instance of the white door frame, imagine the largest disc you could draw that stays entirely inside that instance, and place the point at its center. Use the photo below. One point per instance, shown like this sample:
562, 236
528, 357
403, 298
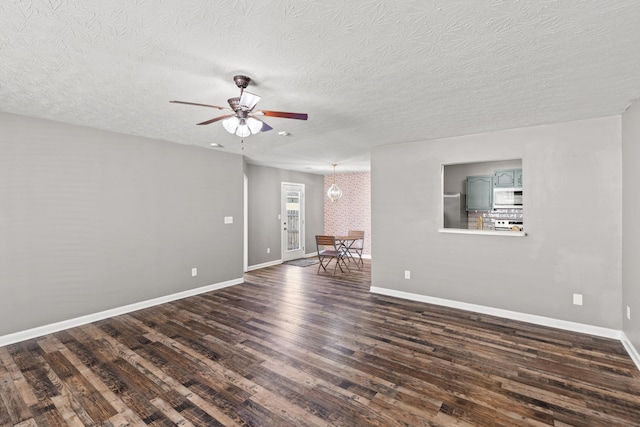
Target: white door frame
299, 253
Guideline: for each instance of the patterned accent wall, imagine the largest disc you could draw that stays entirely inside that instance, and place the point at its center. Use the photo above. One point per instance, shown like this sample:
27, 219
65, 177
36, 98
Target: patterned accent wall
353, 210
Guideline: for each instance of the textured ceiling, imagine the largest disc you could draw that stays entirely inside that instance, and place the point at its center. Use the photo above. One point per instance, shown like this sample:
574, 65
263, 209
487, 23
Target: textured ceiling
367, 73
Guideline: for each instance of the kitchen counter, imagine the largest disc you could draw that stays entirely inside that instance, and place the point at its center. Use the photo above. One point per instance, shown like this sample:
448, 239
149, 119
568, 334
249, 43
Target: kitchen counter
483, 232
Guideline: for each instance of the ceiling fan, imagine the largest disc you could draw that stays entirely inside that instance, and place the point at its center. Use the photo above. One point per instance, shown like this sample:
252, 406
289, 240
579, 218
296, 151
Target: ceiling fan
242, 120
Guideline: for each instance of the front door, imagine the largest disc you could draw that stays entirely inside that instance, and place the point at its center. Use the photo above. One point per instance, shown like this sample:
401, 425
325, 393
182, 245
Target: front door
292, 221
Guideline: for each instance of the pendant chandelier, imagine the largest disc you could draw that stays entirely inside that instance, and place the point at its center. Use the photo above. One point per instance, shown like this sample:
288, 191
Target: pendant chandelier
334, 192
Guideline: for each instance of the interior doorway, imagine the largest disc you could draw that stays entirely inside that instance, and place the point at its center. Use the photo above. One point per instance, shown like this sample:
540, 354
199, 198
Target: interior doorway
292, 221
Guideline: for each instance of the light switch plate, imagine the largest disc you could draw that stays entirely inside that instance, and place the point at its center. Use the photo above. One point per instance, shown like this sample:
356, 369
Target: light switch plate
228, 220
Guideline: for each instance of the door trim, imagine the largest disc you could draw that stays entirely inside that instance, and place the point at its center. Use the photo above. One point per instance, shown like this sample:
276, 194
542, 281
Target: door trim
285, 255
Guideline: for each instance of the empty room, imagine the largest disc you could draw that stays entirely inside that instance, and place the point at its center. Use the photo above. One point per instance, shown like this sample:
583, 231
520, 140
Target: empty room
304, 213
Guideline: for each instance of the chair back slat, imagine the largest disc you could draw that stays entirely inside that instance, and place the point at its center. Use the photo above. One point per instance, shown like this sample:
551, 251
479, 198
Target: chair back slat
325, 240
358, 234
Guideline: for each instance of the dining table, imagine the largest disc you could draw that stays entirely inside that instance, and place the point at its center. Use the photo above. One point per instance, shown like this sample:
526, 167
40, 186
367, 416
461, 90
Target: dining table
346, 243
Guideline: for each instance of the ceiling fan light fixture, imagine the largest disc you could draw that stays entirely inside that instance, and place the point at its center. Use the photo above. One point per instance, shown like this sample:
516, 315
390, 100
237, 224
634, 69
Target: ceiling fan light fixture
243, 130
255, 125
231, 124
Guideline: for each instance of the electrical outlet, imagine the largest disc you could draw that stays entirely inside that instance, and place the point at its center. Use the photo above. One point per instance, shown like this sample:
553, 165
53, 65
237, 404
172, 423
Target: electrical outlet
228, 220
407, 274
628, 313
268, 250
194, 272
577, 299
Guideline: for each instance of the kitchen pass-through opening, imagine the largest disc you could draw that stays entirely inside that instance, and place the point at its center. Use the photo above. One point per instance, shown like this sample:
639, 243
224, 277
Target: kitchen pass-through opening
484, 196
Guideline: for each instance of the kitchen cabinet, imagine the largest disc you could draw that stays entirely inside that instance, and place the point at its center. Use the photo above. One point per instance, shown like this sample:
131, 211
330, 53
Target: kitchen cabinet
508, 178
518, 177
480, 193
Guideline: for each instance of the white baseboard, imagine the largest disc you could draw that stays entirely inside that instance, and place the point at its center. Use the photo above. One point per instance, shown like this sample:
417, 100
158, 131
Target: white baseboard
513, 315
83, 320
264, 265
633, 353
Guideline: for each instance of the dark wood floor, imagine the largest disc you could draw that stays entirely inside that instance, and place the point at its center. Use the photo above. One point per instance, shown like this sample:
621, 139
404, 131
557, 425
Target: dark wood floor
290, 348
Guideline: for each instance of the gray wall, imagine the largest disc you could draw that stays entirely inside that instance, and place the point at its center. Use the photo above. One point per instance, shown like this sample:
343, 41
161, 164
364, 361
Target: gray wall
573, 245
93, 220
631, 236
264, 207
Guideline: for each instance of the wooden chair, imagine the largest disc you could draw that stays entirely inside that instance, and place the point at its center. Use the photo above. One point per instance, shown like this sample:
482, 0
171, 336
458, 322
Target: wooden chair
357, 246
330, 250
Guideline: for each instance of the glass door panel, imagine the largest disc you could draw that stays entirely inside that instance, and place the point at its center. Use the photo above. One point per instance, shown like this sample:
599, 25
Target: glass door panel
292, 221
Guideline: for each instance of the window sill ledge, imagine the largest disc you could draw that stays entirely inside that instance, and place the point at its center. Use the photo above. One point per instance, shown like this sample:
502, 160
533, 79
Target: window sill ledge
483, 232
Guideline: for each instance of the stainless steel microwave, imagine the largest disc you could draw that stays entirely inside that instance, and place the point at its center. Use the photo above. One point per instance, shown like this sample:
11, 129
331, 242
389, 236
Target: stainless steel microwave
507, 198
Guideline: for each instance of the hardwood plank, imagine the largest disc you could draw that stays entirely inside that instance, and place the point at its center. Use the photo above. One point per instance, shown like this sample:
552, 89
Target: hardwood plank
12, 408
171, 413
28, 358
92, 376
65, 376
293, 348
24, 389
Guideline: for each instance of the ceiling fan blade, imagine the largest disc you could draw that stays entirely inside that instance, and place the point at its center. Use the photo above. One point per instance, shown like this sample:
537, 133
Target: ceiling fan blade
265, 127
200, 105
284, 115
248, 100
226, 116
